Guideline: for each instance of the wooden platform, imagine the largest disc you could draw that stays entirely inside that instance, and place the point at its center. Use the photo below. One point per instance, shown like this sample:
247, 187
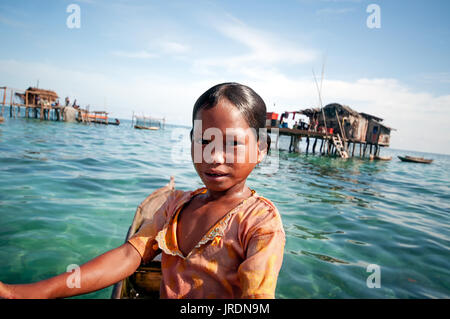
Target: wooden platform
327, 146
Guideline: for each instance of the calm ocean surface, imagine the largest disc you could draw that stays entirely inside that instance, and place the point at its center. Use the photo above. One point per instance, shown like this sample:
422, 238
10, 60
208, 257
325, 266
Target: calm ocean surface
68, 192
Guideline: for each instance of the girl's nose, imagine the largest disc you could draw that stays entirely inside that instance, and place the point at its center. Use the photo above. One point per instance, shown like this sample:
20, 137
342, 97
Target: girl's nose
218, 156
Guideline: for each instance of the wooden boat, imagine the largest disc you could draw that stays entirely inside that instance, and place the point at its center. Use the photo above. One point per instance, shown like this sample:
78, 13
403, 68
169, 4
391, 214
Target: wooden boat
147, 122
383, 158
115, 122
154, 128
415, 159
145, 282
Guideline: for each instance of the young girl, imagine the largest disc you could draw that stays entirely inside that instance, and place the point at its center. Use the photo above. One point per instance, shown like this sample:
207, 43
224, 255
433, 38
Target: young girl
220, 241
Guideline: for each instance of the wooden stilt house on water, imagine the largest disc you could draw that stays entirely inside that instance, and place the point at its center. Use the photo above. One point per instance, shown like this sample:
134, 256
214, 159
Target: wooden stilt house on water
46, 104
341, 128
352, 127
41, 100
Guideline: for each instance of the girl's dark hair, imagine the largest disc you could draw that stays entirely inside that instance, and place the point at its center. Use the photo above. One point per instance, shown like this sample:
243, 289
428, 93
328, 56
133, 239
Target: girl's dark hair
247, 101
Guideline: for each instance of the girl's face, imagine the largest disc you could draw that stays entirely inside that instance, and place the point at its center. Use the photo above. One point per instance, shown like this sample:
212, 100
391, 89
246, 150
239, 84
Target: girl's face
224, 149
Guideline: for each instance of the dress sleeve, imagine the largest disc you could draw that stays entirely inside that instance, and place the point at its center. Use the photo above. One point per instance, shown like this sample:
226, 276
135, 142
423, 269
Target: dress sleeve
265, 241
144, 239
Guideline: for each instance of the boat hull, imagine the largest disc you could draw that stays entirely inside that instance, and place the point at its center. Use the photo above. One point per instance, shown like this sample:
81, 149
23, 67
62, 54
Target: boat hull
152, 128
411, 159
145, 282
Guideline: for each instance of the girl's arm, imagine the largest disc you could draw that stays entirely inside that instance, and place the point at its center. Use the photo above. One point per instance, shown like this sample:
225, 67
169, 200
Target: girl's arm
99, 273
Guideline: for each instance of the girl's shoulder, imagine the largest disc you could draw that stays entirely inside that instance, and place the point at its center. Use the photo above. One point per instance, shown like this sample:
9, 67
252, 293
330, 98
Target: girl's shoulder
260, 213
261, 204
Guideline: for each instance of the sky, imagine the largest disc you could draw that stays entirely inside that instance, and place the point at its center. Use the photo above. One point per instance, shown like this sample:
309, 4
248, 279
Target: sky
157, 57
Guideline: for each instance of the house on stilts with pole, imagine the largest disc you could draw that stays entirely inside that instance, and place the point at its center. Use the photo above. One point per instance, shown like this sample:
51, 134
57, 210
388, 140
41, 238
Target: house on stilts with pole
339, 129
44, 105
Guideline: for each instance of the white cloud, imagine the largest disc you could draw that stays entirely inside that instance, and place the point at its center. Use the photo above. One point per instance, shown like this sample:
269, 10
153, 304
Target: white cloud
334, 11
421, 118
151, 94
155, 49
172, 47
11, 22
142, 54
263, 49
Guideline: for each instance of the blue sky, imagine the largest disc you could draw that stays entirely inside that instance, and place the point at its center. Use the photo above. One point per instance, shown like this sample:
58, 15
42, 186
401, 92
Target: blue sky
157, 57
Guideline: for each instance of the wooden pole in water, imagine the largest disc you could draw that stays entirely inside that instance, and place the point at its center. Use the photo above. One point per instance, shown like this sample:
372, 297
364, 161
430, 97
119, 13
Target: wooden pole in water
27, 109
307, 144
360, 151
12, 107
4, 95
353, 151
314, 146
3, 108
11, 99
297, 140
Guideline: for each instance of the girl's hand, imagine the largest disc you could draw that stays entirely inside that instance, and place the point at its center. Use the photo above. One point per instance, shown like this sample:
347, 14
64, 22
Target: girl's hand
99, 273
5, 291
19, 291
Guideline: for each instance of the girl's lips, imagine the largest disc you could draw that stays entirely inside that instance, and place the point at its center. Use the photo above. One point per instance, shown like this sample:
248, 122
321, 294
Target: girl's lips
215, 176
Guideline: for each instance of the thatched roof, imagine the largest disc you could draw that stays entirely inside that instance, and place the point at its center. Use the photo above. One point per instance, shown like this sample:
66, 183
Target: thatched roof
331, 108
42, 93
340, 109
369, 116
310, 112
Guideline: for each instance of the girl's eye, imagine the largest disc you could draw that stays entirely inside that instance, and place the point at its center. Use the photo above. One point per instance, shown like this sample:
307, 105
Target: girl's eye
235, 143
201, 141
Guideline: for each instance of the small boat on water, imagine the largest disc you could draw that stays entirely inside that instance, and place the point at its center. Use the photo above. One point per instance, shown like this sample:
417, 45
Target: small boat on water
147, 123
140, 127
415, 159
146, 280
97, 117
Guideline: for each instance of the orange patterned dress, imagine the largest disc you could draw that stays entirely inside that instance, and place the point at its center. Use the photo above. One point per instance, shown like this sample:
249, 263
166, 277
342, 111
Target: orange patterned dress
239, 257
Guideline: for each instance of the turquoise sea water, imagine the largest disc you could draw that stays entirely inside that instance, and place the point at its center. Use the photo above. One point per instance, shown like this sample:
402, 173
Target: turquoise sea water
68, 192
